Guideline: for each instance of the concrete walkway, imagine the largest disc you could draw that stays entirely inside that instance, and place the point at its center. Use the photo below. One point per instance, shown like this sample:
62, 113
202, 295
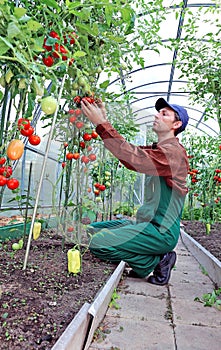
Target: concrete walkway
163, 318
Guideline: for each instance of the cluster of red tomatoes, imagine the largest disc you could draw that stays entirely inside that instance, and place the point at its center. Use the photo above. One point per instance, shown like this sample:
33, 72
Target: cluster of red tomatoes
5, 175
99, 188
74, 114
27, 130
193, 173
54, 50
14, 151
78, 99
217, 176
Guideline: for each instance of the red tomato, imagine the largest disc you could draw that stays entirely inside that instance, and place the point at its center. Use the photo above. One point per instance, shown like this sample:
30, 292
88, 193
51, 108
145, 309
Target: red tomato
70, 229
27, 132
87, 137
77, 100
6, 170
76, 155
97, 185
3, 180
96, 192
69, 156
23, 123
63, 164
34, 140
89, 148
88, 99
46, 47
53, 34
94, 134
79, 125
72, 119
85, 159
2, 160
71, 62
220, 147
48, 61
59, 49
12, 183
65, 144
92, 157
102, 187
15, 149
82, 144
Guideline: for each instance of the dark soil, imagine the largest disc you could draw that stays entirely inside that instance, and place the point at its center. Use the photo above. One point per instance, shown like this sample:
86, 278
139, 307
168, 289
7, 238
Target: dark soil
37, 304
211, 242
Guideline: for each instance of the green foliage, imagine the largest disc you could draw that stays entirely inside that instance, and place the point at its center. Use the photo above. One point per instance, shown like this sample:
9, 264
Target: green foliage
211, 299
113, 303
204, 180
199, 57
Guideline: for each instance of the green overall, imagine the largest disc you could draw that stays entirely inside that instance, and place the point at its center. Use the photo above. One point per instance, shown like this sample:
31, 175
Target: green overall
140, 243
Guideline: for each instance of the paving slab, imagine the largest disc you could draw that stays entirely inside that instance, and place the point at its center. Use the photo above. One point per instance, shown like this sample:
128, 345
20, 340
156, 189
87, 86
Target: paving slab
154, 318
133, 334
197, 338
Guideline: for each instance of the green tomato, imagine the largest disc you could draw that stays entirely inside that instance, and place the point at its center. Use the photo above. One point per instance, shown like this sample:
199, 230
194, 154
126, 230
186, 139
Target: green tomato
98, 199
49, 105
107, 184
107, 173
15, 246
81, 82
21, 243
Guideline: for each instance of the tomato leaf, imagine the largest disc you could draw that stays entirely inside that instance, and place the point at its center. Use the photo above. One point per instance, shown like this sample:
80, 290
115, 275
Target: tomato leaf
105, 84
19, 12
51, 3
38, 43
4, 47
13, 30
109, 13
79, 54
34, 25
31, 104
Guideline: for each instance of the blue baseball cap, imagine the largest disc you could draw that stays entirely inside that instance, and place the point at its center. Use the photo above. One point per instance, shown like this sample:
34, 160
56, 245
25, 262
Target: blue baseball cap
182, 112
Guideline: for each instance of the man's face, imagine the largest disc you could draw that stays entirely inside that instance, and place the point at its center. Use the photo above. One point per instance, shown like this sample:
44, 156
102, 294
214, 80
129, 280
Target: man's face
165, 120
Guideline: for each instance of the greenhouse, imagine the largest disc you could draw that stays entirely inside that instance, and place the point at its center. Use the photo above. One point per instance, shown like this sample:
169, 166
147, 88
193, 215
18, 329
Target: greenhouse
86, 172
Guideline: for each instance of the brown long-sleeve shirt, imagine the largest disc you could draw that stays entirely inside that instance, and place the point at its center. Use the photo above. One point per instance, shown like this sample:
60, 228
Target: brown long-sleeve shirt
167, 159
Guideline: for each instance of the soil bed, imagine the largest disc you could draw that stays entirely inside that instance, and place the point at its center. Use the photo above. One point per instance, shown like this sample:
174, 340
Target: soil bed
211, 242
38, 304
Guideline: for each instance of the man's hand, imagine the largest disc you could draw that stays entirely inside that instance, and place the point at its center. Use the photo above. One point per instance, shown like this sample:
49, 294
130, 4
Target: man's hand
95, 112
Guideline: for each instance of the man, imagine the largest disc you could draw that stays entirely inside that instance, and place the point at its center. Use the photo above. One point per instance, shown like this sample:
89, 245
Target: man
147, 244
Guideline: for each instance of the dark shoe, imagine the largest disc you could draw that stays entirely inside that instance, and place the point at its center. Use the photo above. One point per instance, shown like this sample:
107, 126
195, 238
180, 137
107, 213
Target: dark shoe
162, 271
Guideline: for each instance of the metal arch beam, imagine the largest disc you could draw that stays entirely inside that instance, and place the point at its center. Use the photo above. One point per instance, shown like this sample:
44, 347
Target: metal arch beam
179, 31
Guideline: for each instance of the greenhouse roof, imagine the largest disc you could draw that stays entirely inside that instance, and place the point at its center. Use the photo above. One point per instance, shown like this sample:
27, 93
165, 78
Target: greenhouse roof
161, 78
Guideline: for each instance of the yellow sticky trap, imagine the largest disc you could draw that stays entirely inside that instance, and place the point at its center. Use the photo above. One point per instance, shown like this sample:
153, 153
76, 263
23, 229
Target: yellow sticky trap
36, 230
74, 260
